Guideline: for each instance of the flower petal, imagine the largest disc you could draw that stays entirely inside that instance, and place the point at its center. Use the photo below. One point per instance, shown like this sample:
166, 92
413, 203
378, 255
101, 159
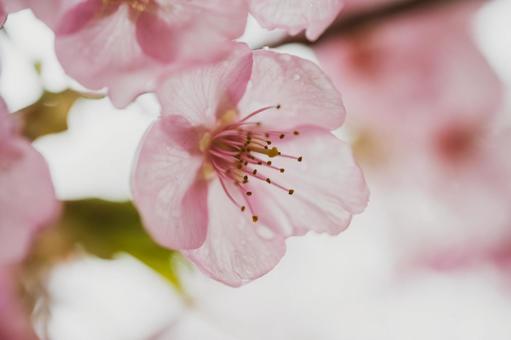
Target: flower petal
328, 185
296, 15
27, 198
156, 37
304, 92
113, 57
14, 319
201, 93
165, 184
236, 250
3, 15
79, 16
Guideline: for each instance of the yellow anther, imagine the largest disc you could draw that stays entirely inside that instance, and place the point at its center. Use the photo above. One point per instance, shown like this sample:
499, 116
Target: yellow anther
205, 141
229, 117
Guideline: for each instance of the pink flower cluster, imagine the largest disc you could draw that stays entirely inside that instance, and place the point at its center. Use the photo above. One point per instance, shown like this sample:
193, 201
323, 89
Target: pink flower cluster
126, 45
242, 156
429, 132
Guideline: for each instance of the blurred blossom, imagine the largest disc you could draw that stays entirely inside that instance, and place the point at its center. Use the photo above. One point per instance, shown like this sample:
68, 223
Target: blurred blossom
27, 199
250, 162
27, 203
296, 15
423, 101
3, 14
125, 45
14, 320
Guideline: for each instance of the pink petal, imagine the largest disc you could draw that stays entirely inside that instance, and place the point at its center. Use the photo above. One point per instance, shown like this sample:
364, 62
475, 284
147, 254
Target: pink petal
14, 319
296, 15
303, 91
106, 53
3, 15
236, 250
200, 94
166, 185
48, 10
328, 185
79, 16
156, 37
115, 52
27, 198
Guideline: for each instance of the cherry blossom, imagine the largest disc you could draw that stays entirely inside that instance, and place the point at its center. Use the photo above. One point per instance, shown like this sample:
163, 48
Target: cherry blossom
27, 203
296, 15
27, 198
125, 44
242, 158
423, 101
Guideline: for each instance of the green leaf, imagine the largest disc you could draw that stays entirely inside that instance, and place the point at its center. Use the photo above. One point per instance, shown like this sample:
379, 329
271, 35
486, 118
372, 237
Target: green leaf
105, 229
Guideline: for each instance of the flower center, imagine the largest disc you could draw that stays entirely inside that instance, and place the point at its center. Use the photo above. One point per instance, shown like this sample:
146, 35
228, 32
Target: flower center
245, 151
137, 6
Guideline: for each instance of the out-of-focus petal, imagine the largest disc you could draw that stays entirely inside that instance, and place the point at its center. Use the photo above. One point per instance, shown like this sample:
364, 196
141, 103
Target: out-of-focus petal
304, 93
27, 198
3, 14
14, 320
328, 185
296, 15
201, 94
167, 187
236, 250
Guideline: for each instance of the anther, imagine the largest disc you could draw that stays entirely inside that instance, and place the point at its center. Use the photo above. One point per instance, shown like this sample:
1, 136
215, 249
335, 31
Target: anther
278, 107
268, 180
268, 142
296, 133
243, 208
255, 218
254, 172
269, 162
300, 159
291, 191
282, 170
249, 193
267, 135
282, 136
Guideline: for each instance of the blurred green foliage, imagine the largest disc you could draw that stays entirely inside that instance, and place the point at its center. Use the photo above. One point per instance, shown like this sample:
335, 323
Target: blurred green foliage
106, 229
49, 113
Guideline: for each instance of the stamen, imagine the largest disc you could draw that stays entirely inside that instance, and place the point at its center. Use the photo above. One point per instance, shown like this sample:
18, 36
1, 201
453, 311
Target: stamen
256, 112
234, 152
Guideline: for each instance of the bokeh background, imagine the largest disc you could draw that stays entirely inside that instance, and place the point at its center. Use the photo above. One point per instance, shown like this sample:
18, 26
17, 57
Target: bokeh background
427, 91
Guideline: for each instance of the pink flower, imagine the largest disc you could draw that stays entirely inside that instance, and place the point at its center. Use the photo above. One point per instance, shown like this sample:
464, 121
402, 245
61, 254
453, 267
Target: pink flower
296, 15
27, 198
125, 44
242, 158
14, 320
423, 102
3, 14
